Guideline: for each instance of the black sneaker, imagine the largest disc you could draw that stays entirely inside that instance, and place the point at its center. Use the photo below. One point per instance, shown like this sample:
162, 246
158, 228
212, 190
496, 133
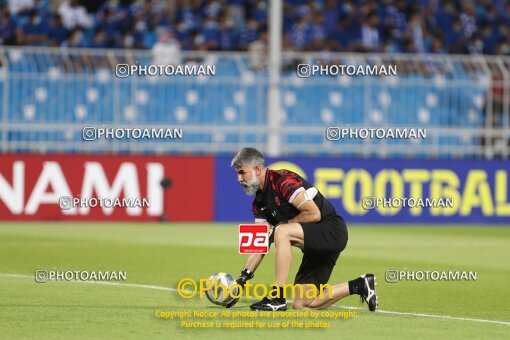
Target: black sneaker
369, 296
270, 304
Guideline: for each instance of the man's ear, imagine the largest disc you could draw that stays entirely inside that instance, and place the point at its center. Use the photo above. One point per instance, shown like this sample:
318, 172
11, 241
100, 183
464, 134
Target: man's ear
258, 170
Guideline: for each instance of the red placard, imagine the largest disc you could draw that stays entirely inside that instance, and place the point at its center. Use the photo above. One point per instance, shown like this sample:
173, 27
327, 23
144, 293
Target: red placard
31, 187
253, 239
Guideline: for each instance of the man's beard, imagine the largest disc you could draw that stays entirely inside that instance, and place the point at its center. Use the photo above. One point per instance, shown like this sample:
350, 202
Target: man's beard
252, 185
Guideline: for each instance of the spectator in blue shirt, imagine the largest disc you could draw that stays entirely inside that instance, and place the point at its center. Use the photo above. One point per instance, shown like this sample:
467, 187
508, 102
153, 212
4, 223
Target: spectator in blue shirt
107, 21
249, 33
489, 38
100, 40
259, 11
74, 40
299, 34
7, 28
444, 16
211, 33
57, 33
331, 14
342, 37
228, 34
237, 10
454, 39
369, 34
317, 29
184, 34
33, 32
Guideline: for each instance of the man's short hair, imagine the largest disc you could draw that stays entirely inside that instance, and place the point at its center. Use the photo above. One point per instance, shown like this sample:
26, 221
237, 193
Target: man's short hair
250, 156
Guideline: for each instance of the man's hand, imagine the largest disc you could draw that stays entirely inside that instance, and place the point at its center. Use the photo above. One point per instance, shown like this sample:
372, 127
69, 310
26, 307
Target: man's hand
246, 275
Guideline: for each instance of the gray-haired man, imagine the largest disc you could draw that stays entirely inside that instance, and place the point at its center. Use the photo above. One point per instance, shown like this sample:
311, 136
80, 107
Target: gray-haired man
300, 216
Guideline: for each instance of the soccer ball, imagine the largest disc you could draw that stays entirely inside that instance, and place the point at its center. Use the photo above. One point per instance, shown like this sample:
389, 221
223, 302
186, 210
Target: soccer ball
217, 294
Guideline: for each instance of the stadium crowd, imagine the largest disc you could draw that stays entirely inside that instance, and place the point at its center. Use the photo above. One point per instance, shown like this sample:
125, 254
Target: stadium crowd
408, 26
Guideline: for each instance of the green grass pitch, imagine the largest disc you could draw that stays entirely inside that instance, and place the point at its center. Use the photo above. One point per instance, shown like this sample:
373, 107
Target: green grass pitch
162, 254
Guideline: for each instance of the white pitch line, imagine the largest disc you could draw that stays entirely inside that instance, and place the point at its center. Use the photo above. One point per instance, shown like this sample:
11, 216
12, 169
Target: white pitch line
435, 316
136, 285
105, 283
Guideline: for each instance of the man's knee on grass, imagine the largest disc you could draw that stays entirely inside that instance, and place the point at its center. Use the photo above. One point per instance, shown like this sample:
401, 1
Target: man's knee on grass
304, 294
304, 303
315, 302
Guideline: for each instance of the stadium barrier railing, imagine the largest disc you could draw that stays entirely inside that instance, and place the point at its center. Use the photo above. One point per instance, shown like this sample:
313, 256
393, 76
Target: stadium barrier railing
50, 94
